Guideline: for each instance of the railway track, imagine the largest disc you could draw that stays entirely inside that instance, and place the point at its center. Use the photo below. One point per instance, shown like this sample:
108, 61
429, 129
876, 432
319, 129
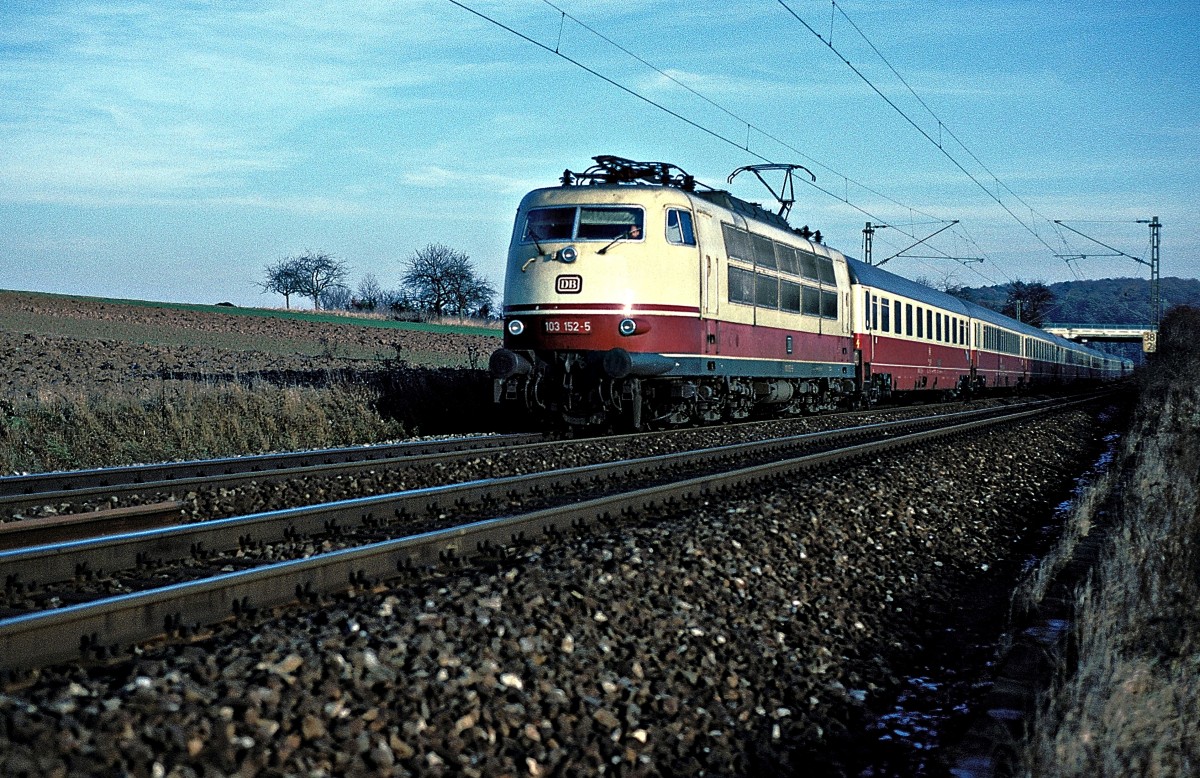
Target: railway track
19, 492
438, 525
70, 493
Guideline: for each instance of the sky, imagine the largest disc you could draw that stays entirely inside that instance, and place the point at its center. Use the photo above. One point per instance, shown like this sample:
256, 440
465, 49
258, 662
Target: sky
171, 150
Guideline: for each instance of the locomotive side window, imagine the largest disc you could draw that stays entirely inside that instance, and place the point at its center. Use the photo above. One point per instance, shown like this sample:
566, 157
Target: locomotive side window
812, 301
741, 286
766, 291
679, 227
808, 266
789, 296
608, 223
785, 258
737, 242
829, 305
764, 251
825, 270
549, 224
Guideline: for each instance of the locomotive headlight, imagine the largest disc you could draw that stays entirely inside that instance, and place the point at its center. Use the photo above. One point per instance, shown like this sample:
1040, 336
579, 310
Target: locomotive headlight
516, 327
627, 327
568, 254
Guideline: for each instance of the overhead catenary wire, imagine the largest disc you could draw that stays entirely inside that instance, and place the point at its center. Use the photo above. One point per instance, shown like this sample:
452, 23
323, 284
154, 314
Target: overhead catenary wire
741, 120
941, 147
713, 133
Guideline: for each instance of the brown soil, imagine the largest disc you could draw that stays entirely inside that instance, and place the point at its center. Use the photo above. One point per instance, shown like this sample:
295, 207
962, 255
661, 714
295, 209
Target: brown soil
57, 345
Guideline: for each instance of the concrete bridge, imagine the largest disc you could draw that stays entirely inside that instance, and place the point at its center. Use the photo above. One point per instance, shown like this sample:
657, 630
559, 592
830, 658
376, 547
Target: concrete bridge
1144, 333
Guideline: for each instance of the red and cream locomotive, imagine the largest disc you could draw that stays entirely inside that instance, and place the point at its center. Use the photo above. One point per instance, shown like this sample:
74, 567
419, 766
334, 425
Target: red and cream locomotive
635, 296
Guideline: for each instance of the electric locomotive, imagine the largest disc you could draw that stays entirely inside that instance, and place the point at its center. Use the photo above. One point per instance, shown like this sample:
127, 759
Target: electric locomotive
636, 296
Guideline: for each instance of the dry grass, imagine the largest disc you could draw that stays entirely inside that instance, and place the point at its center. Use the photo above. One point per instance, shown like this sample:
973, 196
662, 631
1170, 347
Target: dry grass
184, 421
1131, 704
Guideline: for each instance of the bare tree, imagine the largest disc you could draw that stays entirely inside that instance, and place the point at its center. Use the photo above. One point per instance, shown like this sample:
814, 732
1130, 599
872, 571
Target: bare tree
318, 272
442, 280
284, 277
473, 297
336, 298
370, 294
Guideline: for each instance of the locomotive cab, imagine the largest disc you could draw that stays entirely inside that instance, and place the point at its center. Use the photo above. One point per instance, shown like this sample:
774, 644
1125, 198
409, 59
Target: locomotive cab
601, 289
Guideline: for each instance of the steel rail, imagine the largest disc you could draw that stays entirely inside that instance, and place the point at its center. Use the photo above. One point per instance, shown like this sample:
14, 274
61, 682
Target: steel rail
173, 489
93, 557
18, 492
106, 627
70, 481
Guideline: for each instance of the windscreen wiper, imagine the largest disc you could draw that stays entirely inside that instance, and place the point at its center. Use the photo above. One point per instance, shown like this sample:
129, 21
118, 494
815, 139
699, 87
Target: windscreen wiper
626, 235
533, 234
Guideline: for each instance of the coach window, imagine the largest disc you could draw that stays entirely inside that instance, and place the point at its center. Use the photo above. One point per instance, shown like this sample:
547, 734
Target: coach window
679, 227
609, 223
952, 336
962, 332
885, 314
549, 224
874, 312
937, 320
929, 323
920, 322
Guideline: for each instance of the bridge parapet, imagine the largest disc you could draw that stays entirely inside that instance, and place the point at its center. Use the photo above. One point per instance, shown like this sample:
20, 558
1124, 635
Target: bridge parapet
1144, 333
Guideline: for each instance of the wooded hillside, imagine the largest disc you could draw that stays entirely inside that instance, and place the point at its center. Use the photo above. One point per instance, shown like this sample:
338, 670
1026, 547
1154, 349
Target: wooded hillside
1105, 301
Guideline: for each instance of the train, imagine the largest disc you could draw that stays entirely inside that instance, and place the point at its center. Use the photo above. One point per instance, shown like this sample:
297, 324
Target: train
637, 297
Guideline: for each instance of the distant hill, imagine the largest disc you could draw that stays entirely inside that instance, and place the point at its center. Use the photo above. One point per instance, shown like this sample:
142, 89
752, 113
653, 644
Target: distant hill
1105, 301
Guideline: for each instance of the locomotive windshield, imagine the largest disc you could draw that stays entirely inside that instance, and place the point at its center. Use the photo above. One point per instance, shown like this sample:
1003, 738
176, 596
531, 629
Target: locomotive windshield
582, 223
549, 224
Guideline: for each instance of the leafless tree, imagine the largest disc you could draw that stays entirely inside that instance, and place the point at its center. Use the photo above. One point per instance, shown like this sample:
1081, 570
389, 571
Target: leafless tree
283, 277
319, 271
310, 274
369, 295
336, 298
442, 280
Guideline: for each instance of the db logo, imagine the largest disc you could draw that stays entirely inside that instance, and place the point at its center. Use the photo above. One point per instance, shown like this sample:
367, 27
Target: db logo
570, 284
